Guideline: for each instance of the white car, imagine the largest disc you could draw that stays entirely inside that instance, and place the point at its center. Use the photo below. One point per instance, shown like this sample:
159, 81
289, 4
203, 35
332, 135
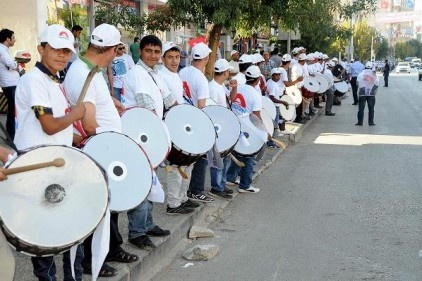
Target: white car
403, 67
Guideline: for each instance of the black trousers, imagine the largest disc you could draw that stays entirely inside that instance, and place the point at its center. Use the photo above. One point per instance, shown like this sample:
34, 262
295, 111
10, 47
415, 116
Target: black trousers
354, 85
9, 93
386, 80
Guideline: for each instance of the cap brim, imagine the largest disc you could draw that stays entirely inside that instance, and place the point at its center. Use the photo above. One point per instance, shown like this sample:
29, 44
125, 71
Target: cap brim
61, 44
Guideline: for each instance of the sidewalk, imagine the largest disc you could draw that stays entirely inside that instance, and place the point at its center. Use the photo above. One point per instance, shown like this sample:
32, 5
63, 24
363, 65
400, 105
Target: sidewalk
152, 262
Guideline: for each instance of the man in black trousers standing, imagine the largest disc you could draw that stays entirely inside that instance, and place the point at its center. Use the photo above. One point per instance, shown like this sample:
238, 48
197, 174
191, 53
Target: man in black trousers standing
386, 72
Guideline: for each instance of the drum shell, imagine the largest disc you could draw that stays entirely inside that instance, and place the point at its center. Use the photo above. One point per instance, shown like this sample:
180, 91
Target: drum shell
94, 179
188, 126
255, 142
306, 93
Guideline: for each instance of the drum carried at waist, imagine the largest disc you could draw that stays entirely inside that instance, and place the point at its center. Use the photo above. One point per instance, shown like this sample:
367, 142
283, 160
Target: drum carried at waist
341, 88
128, 168
322, 81
269, 107
149, 131
192, 134
310, 87
47, 211
295, 94
227, 128
254, 138
288, 113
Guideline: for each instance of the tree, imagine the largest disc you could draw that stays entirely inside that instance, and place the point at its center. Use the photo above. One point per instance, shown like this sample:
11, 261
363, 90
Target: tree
76, 15
383, 50
119, 13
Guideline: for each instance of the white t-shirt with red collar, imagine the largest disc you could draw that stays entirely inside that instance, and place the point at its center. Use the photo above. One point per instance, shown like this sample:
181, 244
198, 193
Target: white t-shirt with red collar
247, 100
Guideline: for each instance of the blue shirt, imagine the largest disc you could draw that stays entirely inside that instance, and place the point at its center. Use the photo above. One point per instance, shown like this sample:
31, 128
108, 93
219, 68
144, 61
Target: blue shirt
356, 68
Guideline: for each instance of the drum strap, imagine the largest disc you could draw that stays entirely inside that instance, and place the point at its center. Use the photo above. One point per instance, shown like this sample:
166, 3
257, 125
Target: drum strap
78, 123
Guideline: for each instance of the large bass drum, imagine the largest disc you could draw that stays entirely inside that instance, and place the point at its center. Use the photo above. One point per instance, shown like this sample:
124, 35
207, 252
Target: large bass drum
47, 211
253, 141
149, 131
128, 168
192, 134
227, 128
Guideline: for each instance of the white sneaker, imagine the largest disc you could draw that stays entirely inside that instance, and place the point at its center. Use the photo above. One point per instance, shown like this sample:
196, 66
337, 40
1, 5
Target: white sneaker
251, 189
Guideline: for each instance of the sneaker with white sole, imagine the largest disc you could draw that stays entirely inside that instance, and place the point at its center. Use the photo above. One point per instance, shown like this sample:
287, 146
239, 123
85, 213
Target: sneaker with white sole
200, 198
251, 189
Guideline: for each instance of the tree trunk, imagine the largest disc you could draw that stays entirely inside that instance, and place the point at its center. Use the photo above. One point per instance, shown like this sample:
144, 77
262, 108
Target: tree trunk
213, 42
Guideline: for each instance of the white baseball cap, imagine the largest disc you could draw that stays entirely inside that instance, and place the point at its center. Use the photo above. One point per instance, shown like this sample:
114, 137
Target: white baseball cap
334, 59
221, 65
295, 51
286, 57
200, 51
275, 70
245, 58
58, 37
170, 45
331, 64
233, 52
310, 57
368, 64
105, 35
253, 71
302, 57
257, 58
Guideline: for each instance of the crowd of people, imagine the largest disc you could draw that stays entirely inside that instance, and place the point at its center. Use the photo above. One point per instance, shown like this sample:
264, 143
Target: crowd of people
43, 106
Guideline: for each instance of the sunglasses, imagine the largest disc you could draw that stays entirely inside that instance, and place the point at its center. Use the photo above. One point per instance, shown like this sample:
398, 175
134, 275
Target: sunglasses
121, 48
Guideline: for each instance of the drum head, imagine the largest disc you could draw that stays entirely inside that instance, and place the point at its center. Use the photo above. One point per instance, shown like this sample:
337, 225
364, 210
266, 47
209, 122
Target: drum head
269, 107
294, 93
290, 113
33, 217
190, 129
330, 81
342, 87
253, 143
268, 122
147, 129
226, 125
127, 166
323, 84
311, 84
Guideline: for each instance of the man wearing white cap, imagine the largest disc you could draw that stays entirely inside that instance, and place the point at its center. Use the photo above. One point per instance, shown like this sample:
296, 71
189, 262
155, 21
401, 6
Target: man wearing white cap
42, 119
145, 87
275, 92
368, 83
220, 94
198, 85
298, 70
101, 114
247, 102
177, 187
234, 62
244, 62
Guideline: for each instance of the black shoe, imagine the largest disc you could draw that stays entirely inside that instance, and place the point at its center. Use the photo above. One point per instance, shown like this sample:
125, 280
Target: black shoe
200, 198
312, 113
336, 103
190, 204
105, 271
317, 106
329, 114
158, 231
358, 124
143, 242
355, 103
220, 194
181, 210
306, 117
121, 256
228, 190
282, 126
371, 124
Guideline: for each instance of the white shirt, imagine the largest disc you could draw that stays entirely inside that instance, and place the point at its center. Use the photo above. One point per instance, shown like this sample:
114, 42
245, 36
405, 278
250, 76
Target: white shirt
297, 71
174, 84
8, 75
247, 100
284, 77
139, 81
240, 78
197, 82
218, 93
274, 90
37, 89
98, 94
120, 66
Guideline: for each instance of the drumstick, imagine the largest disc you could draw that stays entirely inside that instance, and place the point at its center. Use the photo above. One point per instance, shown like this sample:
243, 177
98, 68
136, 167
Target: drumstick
86, 84
279, 143
58, 162
182, 173
237, 161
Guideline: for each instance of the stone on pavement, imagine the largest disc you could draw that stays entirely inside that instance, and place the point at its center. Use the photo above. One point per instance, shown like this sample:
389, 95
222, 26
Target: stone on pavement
201, 252
200, 232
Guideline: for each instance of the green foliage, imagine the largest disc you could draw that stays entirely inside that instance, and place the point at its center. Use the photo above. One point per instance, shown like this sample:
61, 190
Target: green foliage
357, 9
412, 48
76, 15
120, 14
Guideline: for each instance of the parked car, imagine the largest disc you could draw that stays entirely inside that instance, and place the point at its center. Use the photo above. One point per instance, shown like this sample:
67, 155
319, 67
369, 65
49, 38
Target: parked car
403, 67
